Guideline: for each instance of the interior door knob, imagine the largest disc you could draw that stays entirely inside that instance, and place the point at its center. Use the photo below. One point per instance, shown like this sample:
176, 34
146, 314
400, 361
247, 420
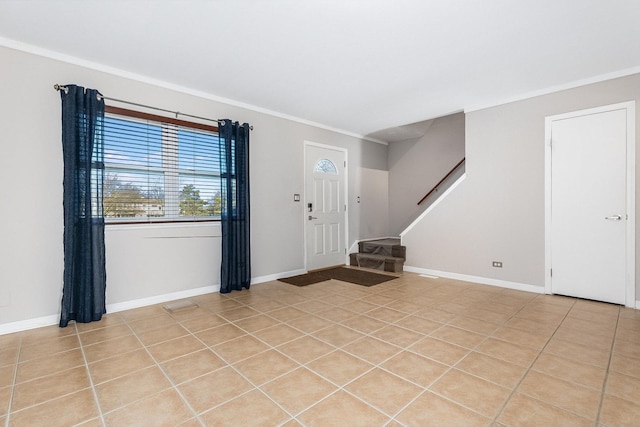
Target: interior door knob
312, 217
614, 217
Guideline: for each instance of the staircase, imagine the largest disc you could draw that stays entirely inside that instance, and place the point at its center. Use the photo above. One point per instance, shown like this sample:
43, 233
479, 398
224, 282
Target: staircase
382, 254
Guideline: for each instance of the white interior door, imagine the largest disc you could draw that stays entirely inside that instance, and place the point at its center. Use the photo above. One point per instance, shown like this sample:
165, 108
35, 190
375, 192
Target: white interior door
325, 170
589, 212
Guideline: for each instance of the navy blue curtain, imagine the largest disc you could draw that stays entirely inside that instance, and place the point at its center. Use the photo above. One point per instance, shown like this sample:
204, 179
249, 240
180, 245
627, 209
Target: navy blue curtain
83, 294
234, 164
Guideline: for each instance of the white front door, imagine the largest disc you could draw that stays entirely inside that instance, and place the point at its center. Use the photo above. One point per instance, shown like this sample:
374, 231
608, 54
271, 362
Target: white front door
325, 179
589, 212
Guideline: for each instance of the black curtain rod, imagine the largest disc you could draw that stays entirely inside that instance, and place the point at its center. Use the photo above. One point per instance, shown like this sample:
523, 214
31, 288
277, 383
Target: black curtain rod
64, 88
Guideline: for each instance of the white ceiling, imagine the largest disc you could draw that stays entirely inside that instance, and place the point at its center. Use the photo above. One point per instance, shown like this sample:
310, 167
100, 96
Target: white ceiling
362, 66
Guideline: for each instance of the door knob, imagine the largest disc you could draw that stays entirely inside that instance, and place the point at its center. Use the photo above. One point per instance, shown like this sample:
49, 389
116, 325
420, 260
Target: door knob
312, 217
614, 217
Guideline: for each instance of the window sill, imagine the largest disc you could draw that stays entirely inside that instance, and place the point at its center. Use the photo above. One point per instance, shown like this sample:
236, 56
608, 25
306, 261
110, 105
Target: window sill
171, 229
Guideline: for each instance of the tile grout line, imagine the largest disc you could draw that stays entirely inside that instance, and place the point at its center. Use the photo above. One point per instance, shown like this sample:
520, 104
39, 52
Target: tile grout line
341, 348
13, 382
158, 365
91, 384
84, 364
255, 387
173, 384
244, 300
427, 389
210, 348
338, 323
368, 334
300, 365
530, 368
487, 337
335, 349
502, 324
304, 365
379, 364
608, 370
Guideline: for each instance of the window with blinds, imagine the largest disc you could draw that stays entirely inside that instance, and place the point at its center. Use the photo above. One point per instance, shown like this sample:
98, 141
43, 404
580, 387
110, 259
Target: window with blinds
159, 169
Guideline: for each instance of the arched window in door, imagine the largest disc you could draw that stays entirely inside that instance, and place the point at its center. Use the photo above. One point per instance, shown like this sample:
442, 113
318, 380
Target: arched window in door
325, 166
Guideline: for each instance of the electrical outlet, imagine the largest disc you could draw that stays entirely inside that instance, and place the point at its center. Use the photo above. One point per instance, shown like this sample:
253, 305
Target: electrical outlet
497, 264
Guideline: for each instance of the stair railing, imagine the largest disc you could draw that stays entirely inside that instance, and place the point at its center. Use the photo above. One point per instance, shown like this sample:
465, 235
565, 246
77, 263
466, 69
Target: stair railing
435, 187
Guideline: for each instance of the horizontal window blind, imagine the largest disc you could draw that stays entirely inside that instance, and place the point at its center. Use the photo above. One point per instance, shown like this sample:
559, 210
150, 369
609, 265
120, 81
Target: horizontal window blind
159, 170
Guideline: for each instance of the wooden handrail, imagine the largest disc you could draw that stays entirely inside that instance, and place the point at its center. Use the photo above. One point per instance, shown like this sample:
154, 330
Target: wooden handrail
435, 187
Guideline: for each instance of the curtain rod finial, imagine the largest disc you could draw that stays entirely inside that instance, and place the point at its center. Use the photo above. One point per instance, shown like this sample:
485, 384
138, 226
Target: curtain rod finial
60, 87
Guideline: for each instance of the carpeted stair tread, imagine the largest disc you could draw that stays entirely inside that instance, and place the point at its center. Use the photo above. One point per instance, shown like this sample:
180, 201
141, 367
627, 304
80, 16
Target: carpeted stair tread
379, 257
382, 254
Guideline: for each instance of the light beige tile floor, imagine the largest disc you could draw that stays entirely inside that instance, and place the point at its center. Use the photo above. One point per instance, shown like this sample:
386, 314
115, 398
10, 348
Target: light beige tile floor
410, 352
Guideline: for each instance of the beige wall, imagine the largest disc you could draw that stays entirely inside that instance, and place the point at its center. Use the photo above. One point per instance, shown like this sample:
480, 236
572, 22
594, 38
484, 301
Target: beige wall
415, 166
147, 262
498, 211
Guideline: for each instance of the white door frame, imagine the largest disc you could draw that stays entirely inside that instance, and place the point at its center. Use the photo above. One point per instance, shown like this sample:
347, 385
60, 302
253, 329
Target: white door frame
630, 261
345, 189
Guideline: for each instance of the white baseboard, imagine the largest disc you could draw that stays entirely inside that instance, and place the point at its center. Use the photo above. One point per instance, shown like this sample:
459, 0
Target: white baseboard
24, 325
53, 319
638, 305
271, 277
477, 279
143, 302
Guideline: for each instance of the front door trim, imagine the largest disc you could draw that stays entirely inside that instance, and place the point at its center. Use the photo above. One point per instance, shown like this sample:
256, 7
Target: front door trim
630, 274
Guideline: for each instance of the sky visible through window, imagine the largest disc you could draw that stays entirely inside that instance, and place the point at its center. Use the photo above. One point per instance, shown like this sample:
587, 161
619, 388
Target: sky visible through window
131, 143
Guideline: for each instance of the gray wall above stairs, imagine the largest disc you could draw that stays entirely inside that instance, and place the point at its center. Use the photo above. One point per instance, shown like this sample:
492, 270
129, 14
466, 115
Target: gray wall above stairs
416, 165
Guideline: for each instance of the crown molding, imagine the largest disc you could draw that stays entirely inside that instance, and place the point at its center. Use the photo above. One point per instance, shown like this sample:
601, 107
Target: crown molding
58, 56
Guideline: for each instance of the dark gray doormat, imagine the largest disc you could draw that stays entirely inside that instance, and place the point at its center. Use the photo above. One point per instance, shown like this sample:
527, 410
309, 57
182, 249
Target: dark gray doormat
351, 275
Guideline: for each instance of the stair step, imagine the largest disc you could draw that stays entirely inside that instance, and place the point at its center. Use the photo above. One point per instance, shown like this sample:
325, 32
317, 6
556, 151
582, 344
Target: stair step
377, 261
388, 247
